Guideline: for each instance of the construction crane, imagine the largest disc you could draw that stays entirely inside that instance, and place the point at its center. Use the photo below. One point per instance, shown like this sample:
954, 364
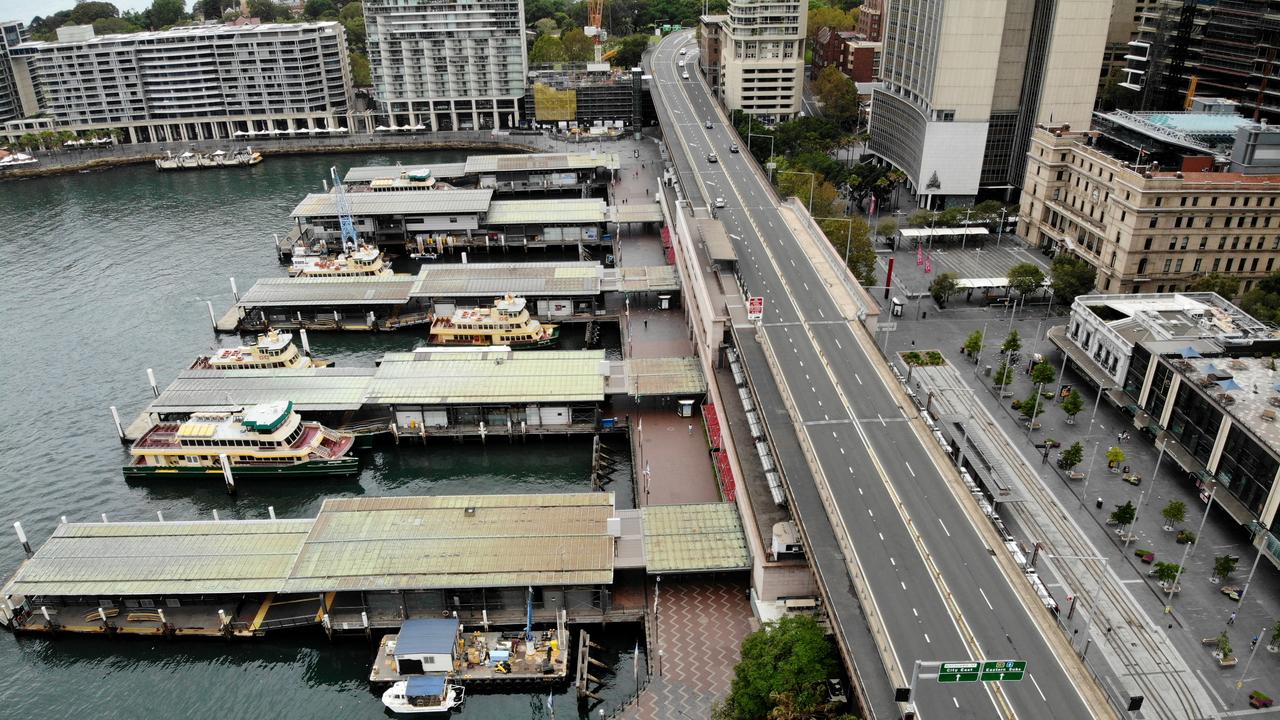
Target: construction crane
349, 238
1191, 92
595, 23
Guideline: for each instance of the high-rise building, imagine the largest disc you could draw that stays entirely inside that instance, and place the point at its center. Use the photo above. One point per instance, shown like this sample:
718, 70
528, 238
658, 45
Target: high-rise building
12, 33
966, 82
447, 64
186, 83
762, 57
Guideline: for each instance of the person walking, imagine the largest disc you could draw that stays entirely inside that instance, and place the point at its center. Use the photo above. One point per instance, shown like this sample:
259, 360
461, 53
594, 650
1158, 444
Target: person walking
1253, 643
1233, 616
1230, 621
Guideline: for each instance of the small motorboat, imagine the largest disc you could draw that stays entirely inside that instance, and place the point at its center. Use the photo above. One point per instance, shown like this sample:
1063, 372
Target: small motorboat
423, 694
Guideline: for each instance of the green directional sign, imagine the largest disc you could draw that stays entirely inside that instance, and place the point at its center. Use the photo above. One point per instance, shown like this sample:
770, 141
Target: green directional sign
982, 671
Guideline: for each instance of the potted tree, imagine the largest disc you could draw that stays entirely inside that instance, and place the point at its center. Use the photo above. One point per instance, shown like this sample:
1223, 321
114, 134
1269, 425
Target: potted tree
1072, 405
1123, 516
1222, 567
1174, 513
1043, 374
973, 344
1115, 456
1167, 573
1011, 345
1223, 653
1070, 458
1003, 377
1274, 645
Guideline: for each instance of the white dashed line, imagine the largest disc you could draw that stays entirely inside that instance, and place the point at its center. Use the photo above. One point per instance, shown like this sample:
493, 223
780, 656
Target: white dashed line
903, 584
857, 377
915, 612
926, 638
893, 562
839, 345
984, 598
1033, 682
871, 514
881, 536
882, 423
957, 702
913, 472
944, 527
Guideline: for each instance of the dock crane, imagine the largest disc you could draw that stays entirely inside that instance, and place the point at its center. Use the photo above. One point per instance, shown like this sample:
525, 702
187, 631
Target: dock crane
350, 241
595, 24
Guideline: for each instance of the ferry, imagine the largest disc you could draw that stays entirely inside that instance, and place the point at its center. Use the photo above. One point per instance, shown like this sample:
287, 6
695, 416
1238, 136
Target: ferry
272, 350
423, 694
269, 439
364, 261
198, 161
506, 323
16, 160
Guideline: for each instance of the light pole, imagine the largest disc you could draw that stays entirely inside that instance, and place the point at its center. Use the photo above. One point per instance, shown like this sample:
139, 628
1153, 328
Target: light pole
812, 178
1088, 469
964, 238
1200, 530
1254, 651
749, 136
1245, 590
1000, 231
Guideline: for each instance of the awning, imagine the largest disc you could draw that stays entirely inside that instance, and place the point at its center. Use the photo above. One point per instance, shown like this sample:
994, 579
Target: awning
1229, 385
1189, 352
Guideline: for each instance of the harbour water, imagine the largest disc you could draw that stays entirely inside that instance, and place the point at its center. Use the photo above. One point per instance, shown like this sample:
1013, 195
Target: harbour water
105, 275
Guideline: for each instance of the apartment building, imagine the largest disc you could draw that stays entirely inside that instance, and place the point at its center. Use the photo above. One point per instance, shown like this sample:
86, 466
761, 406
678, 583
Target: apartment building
187, 83
1157, 223
1196, 374
447, 64
710, 39
762, 58
871, 20
966, 82
12, 33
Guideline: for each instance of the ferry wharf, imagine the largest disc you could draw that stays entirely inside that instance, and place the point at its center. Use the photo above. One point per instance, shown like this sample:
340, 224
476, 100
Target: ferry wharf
574, 291
368, 564
441, 393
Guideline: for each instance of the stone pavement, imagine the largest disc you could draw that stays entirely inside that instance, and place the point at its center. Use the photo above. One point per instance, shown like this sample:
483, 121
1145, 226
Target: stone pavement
1199, 610
700, 627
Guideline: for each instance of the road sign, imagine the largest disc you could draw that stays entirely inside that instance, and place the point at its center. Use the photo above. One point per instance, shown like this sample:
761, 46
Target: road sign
985, 671
755, 307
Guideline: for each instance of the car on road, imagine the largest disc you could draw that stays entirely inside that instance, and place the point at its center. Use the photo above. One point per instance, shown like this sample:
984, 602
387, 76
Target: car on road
684, 51
685, 75
733, 148
711, 158
708, 124
680, 64
719, 202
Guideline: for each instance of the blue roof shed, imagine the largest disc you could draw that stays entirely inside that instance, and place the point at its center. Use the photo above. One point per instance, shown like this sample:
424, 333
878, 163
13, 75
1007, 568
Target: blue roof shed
435, 636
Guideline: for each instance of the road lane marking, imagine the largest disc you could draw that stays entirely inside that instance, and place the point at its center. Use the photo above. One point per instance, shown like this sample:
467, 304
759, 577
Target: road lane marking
841, 451
858, 377
915, 612
1033, 682
882, 423
893, 562
881, 536
806, 285
903, 584
926, 638
821, 314
957, 702
838, 344
984, 599
850, 469
944, 527
833, 432
913, 472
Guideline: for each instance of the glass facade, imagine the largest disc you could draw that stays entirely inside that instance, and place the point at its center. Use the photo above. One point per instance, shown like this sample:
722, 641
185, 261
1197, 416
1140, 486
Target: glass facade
1194, 422
1137, 372
1247, 470
1159, 390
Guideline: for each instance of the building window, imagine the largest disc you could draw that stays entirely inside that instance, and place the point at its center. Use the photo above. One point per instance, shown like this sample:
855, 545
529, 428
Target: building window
1152, 221
1169, 263
1177, 267
1147, 245
1215, 264
1194, 422
1229, 261
1246, 470
1142, 266
1196, 266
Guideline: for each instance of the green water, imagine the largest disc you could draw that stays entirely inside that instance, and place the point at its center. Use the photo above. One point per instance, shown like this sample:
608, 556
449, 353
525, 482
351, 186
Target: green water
105, 275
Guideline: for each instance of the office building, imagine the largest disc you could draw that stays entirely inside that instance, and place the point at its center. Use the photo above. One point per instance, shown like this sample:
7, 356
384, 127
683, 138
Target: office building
1203, 198
585, 94
1196, 373
966, 82
447, 64
186, 83
12, 33
710, 38
762, 58
855, 56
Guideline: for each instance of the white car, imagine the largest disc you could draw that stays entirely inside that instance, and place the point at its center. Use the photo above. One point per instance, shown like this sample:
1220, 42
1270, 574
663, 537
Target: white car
719, 202
680, 64
684, 51
685, 75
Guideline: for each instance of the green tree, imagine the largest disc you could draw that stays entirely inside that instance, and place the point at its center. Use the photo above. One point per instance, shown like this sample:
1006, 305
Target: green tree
351, 10
1263, 301
1071, 457
838, 95
577, 46
1072, 404
834, 18
792, 656
1166, 573
1025, 278
268, 11
1225, 285
632, 48
315, 9
546, 26
1174, 513
360, 74
165, 13
922, 218
1124, 514
535, 10
1070, 276
547, 49
943, 287
114, 26
1224, 565
973, 343
85, 13
1012, 343
1042, 374
887, 228
1003, 376
356, 35
1115, 456
1033, 406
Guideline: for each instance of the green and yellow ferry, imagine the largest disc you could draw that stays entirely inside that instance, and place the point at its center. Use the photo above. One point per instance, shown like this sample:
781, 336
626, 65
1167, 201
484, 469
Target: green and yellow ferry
506, 323
269, 439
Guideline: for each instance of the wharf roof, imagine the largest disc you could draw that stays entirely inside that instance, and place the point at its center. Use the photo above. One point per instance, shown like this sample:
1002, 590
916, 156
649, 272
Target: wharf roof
649, 278
159, 558
429, 377
694, 538
664, 376
369, 173
397, 202
1244, 388
464, 541
713, 234
561, 212
639, 212
310, 389
309, 291
533, 162
488, 280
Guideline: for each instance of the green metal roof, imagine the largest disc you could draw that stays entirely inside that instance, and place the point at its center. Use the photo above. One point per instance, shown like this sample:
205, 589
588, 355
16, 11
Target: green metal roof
327, 291
453, 378
554, 212
694, 538
664, 376
492, 280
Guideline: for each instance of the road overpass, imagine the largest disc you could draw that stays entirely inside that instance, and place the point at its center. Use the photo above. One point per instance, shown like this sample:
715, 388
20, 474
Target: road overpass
877, 500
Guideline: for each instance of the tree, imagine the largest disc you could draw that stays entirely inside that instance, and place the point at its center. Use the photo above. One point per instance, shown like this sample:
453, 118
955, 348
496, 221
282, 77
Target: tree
268, 11
165, 13
547, 49
1174, 513
360, 74
114, 26
1124, 514
1226, 286
1072, 404
792, 656
834, 18
1025, 278
1224, 645
886, 228
1166, 573
1224, 565
633, 47
973, 343
1032, 406
546, 26
1042, 374
314, 9
1012, 343
1115, 456
355, 32
920, 218
1071, 276
85, 13
1263, 301
1003, 376
535, 10
943, 287
577, 46
351, 10
1071, 457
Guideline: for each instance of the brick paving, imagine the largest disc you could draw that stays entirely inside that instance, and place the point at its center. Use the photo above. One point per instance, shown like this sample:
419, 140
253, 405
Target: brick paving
700, 627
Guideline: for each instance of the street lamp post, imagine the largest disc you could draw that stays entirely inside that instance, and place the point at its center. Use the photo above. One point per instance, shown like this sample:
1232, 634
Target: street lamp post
812, 178
1200, 530
1000, 231
749, 136
1088, 469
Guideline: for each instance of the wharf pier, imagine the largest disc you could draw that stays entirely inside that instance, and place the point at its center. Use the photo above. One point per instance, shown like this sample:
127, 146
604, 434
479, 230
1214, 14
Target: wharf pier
441, 392
364, 564
573, 291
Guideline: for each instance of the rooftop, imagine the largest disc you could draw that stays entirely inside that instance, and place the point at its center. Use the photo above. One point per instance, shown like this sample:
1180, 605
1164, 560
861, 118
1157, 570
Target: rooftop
181, 33
1160, 317
310, 389
439, 171
430, 377
308, 291
539, 279
428, 636
694, 538
664, 376
1197, 131
1247, 389
534, 162
397, 202
562, 211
